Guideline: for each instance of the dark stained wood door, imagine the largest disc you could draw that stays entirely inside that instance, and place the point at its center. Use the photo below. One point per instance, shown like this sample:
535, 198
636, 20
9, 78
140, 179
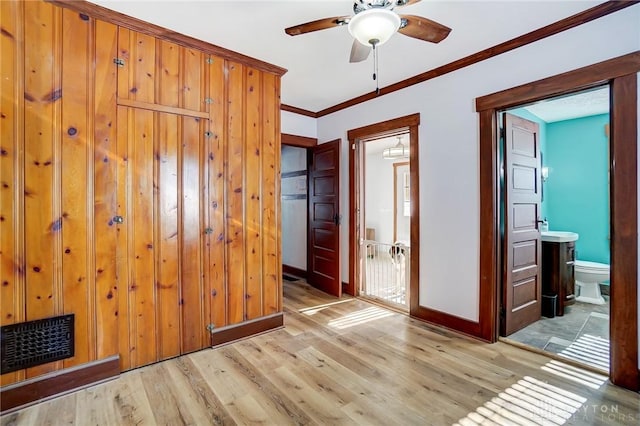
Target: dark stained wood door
522, 290
323, 252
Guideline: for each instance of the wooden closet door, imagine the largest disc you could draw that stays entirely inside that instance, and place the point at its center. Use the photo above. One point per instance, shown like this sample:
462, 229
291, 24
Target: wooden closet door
162, 120
161, 183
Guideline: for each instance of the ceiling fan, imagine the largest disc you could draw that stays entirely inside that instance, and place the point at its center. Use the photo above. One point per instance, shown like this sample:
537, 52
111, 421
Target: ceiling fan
374, 22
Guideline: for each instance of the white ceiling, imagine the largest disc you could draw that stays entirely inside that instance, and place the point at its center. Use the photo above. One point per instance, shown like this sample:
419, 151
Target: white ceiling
582, 104
377, 146
319, 73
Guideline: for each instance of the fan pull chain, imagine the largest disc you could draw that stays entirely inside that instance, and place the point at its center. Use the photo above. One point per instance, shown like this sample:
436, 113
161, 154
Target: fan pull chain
375, 68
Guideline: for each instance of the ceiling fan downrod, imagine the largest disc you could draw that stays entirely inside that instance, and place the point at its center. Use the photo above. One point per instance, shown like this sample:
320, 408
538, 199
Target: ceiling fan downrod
374, 42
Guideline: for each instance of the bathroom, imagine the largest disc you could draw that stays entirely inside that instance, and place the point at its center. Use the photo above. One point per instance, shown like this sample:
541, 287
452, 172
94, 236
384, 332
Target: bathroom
575, 221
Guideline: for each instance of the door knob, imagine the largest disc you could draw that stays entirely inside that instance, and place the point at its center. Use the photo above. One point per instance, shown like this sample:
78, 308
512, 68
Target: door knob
118, 219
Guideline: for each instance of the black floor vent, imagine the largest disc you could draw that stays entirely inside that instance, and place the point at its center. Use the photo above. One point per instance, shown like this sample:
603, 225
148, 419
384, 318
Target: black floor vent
32, 343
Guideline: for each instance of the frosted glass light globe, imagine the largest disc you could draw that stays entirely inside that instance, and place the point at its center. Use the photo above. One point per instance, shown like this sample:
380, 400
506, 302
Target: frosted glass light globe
374, 26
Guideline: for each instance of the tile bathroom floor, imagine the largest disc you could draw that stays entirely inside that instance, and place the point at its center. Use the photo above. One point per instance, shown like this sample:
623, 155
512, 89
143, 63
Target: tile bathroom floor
581, 334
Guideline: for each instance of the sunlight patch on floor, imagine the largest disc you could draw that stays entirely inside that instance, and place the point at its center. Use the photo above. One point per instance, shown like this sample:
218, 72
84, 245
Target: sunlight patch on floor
589, 350
315, 309
575, 374
529, 402
360, 317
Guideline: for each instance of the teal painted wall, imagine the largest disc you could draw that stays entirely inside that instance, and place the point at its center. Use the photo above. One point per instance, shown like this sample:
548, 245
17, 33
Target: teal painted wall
576, 194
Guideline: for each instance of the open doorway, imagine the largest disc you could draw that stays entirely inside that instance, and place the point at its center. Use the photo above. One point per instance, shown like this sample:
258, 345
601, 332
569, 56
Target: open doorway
621, 76
386, 193
294, 210
359, 139
555, 286
310, 192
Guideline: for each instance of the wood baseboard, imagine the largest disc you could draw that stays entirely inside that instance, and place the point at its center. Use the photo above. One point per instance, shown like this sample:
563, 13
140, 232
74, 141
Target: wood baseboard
246, 329
292, 270
448, 321
57, 383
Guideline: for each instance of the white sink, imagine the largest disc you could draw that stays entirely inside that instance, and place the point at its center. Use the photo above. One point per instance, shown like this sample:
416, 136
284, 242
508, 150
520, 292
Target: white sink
558, 236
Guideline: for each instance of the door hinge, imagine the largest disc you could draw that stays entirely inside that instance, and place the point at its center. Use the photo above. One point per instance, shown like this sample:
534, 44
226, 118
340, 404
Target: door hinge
210, 328
209, 60
353, 146
502, 132
503, 313
119, 62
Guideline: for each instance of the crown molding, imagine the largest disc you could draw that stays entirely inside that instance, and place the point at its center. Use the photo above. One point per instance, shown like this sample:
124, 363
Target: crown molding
565, 24
300, 111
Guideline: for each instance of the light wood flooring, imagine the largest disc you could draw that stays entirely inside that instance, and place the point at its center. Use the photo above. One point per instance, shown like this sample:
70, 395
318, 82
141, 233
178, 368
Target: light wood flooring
345, 361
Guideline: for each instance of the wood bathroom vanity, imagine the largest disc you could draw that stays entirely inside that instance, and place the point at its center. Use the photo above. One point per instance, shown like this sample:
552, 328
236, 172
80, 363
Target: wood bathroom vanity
558, 273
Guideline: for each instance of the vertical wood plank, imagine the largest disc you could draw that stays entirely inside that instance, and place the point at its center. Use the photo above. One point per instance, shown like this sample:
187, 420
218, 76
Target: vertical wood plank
89, 112
277, 204
191, 281
168, 286
124, 72
252, 194
193, 94
206, 226
142, 284
11, 163
42, 227
106, 188
123, 251
142, 68
270, 199
136, 78
235, 194
75, 140
215, 278
168, 73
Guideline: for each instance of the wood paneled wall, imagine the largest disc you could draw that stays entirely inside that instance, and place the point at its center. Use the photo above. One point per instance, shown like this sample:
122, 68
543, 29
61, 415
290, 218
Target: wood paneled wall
182, 145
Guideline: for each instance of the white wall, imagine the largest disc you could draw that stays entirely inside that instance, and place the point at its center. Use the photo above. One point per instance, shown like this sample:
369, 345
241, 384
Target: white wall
448, 154
299, 125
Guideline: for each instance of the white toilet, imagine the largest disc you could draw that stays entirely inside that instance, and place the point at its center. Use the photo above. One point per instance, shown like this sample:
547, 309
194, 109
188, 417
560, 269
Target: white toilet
588, 276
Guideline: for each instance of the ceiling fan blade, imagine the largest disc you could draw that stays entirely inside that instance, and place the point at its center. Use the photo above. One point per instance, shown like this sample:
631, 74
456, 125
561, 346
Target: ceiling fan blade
423, 28
400, 3
359, 52
320, 24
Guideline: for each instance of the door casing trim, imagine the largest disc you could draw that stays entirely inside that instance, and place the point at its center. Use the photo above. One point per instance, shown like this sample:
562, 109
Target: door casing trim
621, 74
408, 123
